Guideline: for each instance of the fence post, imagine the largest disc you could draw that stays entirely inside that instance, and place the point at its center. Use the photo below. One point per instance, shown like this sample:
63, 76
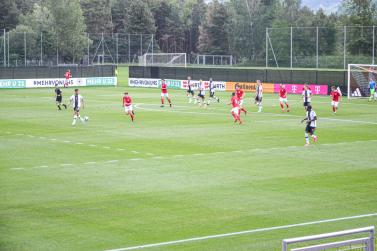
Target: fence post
141, 44
117, 45
57, 49
373, 42
5, 55
8, 51
88, 47
41, 61
344, 46
129, 48
103, 48
291, 46
152, 48
317, 48
25, 47
266, 47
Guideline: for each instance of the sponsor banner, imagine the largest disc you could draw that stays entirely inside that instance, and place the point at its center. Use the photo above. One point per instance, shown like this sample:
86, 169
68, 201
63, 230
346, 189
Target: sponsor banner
219, 85
51, 82
143, 82
298, 88
101, 81
249, 86
12, 83
171, 83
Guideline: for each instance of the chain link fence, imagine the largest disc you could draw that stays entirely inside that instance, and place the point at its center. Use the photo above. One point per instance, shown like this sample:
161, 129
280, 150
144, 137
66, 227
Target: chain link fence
320, 47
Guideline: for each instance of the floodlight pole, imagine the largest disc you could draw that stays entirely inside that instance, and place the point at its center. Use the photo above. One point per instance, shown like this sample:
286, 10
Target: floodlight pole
317, 48
266, 47
291, 46
117, 46
152, 49
88, 47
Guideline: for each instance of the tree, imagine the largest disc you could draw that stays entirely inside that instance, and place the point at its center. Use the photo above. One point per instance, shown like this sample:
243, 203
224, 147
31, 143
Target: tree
139, 19
70, 28
169, 28
97, 15
194, 20
8, 14
213, 38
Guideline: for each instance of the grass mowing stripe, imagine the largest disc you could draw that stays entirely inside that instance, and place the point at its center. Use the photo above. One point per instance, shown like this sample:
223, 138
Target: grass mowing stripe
243, 232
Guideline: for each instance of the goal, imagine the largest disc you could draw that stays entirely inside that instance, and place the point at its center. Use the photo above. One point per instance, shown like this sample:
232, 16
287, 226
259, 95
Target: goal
359, 239
359, 76
163, 59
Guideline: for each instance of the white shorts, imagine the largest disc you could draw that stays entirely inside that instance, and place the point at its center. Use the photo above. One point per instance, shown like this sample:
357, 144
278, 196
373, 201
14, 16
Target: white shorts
283, 100
166, 95
240, 102
128, 108
333, 103
235, 110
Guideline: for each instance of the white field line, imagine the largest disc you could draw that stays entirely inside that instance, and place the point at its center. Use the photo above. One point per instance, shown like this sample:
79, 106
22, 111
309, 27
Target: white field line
251, 231
266, 113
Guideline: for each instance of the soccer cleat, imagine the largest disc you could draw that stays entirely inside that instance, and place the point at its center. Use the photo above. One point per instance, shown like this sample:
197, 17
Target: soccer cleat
288, 110
315, 139
162, 106
170, 105
307, 144
218, 100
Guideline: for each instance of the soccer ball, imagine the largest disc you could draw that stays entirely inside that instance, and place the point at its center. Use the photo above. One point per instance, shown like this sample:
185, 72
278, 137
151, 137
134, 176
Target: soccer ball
86, 118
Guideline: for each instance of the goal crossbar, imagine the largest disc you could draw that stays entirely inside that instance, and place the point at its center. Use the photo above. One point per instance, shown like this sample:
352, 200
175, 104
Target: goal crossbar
356, 73
368, 230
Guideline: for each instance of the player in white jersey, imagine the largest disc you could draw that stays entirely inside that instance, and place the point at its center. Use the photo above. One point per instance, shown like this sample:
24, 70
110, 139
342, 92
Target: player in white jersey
212, 90
77, 102
190, 91
311, 125
259, 95
306, 96
202, 94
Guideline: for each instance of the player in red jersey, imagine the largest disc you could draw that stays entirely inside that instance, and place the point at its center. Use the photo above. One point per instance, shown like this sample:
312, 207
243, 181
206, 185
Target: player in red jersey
240, 94
67, 76
283, 98
235, 108
164, 93
335, 98
127, 104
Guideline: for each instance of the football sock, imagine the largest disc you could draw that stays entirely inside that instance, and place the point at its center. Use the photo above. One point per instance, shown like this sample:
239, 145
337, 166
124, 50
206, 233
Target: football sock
65, 106
307, 138
59, 107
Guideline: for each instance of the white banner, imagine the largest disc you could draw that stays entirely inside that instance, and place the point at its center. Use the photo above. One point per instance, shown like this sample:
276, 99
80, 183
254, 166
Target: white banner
155, 83
52, 82
144, 82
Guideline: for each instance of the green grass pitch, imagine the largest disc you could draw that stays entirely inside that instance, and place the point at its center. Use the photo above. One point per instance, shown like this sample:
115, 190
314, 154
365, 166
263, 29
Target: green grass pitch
178, 173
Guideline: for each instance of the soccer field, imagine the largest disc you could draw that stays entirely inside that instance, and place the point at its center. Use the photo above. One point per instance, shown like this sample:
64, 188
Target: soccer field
179, 173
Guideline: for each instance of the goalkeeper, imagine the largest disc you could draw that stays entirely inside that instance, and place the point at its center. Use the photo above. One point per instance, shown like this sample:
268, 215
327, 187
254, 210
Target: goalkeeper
372, 89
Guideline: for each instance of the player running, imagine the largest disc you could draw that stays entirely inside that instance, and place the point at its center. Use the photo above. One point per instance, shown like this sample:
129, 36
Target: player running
311, 120
240, 95
335, 98
283, 98
127, 104
306, 96
372, 89
59, 97
77, 102
235, 108
67, 76
212, 90
202, 94
164, 93
190, 91
259, 95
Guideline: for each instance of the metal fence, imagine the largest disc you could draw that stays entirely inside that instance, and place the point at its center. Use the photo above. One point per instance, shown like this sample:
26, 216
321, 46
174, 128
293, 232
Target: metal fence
320, 47
33, 49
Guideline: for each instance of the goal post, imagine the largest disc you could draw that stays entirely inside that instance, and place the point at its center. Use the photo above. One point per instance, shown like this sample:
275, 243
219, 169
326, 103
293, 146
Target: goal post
364, 243
163, 59
358, 78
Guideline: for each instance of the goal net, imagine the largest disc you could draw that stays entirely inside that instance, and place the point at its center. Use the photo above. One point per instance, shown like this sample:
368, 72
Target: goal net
354, 239
359, 77
163, 59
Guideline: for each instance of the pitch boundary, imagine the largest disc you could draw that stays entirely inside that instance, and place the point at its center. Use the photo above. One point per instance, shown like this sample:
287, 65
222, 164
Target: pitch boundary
243, 232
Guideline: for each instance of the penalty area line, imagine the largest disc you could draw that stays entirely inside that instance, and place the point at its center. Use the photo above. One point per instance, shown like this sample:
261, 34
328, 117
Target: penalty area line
243, 232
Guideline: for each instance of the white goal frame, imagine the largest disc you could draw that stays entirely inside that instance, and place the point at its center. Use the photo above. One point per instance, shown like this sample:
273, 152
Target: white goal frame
146, 62
349, 76
368, 241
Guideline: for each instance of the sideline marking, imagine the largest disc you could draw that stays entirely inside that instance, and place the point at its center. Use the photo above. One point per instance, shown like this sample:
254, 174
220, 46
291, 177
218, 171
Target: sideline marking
243, 232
